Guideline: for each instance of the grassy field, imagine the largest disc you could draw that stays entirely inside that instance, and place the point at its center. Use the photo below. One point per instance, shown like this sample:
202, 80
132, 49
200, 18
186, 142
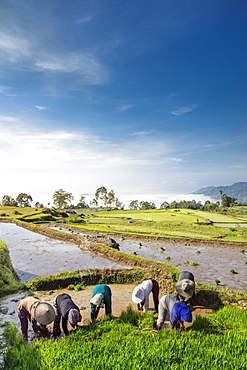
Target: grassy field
9, 281
174, 223
217, 341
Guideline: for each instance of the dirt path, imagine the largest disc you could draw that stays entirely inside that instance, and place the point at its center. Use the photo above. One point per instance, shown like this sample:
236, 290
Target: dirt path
121, 298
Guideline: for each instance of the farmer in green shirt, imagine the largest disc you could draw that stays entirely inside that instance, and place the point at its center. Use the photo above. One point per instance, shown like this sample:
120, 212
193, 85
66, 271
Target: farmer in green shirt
101, 297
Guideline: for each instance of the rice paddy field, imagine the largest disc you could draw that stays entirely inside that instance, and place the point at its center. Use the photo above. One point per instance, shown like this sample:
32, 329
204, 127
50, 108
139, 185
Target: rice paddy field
217, 341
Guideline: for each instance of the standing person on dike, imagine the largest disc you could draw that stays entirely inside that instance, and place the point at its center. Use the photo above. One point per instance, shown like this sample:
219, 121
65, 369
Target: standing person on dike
140, 294
38, 313
171, 309
101, 297
68, 310
185, 286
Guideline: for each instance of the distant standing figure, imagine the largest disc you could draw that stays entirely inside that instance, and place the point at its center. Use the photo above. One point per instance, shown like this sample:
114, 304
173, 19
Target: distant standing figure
66, 309
38, 313
171, 309
185, 285
101, 297
140, 294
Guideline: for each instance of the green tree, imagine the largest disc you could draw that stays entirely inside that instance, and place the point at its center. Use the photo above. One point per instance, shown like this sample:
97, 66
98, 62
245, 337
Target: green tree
110, 198
61, 198
94, 203
147, 205
23, 200
9, 201
119, 204
134, 204
164, 205
82, 203
39, 205
100, 193
227, 201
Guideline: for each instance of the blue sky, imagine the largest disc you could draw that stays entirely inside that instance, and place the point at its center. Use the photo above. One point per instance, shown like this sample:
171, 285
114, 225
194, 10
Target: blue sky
147, 98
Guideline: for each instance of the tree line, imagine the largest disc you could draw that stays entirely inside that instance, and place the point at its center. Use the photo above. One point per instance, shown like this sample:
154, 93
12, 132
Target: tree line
103, 198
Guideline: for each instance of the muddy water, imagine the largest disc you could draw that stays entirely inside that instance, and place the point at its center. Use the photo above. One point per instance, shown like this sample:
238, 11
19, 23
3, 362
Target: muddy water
214, 262
34, 255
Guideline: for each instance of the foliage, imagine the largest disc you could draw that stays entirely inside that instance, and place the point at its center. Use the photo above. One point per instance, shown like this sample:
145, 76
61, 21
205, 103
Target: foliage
23, 200
61, 198
217, 341
227, 201
9, 201
9, 281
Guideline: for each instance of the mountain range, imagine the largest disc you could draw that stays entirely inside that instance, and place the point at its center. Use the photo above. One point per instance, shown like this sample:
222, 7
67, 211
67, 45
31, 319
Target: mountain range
238, 190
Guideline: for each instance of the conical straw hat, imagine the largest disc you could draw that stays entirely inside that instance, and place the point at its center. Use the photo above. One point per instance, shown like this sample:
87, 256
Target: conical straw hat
44, 313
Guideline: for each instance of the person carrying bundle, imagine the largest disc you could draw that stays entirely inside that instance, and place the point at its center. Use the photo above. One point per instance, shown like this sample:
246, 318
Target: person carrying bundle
140, 294
40, 314
101, 297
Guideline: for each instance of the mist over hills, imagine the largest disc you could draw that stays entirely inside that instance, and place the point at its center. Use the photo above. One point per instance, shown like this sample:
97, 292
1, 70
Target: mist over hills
238, 190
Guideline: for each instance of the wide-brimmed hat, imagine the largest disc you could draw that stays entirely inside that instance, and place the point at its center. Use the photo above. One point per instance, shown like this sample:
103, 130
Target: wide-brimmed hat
185, 288
44, 313
138, 295
97, 299
74, 316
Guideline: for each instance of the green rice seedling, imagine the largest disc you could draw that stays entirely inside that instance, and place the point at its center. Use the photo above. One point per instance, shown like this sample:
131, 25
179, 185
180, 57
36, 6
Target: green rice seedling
217, 281
194, 264
186, 262
163, 249
242, 251
246, 263
135, 253
198, 252
168, 258
174, 274
232, 271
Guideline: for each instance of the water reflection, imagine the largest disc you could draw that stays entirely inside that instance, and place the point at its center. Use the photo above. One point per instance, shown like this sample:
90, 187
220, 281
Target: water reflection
35, 255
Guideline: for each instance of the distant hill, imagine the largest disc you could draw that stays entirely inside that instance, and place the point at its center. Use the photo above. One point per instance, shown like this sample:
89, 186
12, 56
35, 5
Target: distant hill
237, 190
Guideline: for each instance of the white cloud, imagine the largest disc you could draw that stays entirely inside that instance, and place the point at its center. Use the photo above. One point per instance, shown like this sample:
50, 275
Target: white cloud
182, 110
23, 54
39, 107
123, 108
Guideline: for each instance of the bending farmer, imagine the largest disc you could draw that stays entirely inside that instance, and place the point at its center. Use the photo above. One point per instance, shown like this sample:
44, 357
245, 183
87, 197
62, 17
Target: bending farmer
185, 286
68, 310
140, 294
38, 313
171, 309
101, 296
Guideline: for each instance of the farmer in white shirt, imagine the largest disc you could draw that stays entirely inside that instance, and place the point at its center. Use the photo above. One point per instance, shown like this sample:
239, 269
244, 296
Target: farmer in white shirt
171, 309
140, 294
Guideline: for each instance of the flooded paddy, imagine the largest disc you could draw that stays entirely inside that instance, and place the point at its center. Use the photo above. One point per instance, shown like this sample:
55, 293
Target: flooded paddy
213, 262
34, 255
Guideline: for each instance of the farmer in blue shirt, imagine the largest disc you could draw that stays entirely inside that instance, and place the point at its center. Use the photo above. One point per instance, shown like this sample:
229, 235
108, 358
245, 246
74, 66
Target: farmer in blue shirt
101, 297
171, 309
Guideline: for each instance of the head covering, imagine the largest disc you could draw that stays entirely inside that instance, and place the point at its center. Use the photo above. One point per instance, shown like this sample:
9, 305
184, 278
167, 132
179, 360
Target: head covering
44, 313
185, 315
185, 288
97, 299
74, 316
138, 295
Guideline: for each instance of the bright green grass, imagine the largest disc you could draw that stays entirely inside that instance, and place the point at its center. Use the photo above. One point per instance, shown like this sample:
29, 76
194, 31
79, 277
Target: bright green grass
217, 341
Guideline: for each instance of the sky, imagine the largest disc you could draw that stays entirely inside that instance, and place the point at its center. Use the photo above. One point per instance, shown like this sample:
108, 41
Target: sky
146, 98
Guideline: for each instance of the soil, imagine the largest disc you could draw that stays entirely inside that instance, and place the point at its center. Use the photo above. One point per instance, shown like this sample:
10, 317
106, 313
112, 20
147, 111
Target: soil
121, 299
